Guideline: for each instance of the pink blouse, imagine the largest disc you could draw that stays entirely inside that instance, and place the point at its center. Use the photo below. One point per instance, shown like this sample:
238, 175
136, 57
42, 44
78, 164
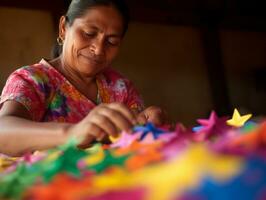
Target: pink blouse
49, 96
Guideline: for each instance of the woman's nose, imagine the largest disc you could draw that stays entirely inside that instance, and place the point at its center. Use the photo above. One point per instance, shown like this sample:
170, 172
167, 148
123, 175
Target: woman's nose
97, 47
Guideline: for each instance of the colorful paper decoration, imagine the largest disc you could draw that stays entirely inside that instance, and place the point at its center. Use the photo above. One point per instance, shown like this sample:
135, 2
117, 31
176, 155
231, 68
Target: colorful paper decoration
148, 128
150, 163
214, 126
108, 161
238, 120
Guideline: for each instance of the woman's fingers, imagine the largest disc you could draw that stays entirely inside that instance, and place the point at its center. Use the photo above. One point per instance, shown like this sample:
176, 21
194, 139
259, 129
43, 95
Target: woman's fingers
111, 119
121, 108
119, 117
103, 122
155, 115
87, 133
142, 118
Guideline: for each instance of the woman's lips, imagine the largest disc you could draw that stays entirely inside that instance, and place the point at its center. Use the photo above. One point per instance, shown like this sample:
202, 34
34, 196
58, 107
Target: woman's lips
94, 59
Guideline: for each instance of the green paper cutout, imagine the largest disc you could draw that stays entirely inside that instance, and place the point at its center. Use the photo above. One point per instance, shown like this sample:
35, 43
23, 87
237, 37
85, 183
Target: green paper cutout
13, 185
109, 160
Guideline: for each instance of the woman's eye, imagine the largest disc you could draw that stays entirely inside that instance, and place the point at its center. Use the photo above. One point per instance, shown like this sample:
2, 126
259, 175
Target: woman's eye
89, 34
113, 41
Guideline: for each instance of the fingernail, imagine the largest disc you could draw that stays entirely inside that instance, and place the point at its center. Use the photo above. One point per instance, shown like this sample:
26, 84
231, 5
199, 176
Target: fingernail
146, 116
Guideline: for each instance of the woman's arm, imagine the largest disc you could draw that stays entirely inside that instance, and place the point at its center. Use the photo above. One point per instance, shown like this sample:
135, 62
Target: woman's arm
18, 134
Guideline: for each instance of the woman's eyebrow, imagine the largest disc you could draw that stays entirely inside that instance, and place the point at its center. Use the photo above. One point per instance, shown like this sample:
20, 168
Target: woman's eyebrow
91, 26
94, 27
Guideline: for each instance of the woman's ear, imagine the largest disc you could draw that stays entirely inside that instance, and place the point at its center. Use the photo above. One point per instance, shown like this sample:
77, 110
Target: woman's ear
62, 27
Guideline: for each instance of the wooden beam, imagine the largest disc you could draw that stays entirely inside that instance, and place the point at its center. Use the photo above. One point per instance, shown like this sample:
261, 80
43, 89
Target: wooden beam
53, 6
172, 12
216, 70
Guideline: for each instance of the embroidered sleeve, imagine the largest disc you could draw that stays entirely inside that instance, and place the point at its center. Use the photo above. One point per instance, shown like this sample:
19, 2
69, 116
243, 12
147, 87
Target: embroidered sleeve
26, 89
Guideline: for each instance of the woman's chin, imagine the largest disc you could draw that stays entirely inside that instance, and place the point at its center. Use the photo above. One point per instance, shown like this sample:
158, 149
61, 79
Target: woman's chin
90, 69
90, 62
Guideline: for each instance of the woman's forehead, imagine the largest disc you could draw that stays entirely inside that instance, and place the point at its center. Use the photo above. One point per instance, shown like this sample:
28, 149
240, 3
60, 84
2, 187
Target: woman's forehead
108, 13
102, 17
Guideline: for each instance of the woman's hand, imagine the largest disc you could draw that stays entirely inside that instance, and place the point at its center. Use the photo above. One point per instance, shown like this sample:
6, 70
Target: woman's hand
152, 114
103, 121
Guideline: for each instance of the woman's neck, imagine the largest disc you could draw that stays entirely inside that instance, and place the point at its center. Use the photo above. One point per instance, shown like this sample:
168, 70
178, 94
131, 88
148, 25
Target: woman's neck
72, 74
86, 85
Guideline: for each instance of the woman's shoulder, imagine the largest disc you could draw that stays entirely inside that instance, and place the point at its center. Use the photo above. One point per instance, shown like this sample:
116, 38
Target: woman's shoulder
36, 68
40, 71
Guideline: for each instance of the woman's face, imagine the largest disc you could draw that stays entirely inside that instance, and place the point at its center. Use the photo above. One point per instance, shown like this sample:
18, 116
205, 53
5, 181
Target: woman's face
92, 42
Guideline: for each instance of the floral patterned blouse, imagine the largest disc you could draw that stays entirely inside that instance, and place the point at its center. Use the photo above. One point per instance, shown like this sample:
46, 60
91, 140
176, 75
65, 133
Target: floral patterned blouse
49, 96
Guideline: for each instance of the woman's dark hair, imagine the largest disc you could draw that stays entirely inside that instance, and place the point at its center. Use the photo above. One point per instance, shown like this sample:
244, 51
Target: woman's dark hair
77, 8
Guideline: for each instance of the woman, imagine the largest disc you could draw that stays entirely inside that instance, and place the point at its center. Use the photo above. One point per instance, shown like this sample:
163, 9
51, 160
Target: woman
79, 89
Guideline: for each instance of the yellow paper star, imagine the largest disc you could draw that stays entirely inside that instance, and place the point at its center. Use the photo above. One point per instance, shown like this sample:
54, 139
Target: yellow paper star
53, 156
6, 162
94, 158
114, 139
238, 120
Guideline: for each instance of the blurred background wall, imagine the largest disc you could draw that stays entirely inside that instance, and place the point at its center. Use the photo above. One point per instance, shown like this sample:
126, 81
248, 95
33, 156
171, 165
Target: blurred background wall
188, 57
25, 37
